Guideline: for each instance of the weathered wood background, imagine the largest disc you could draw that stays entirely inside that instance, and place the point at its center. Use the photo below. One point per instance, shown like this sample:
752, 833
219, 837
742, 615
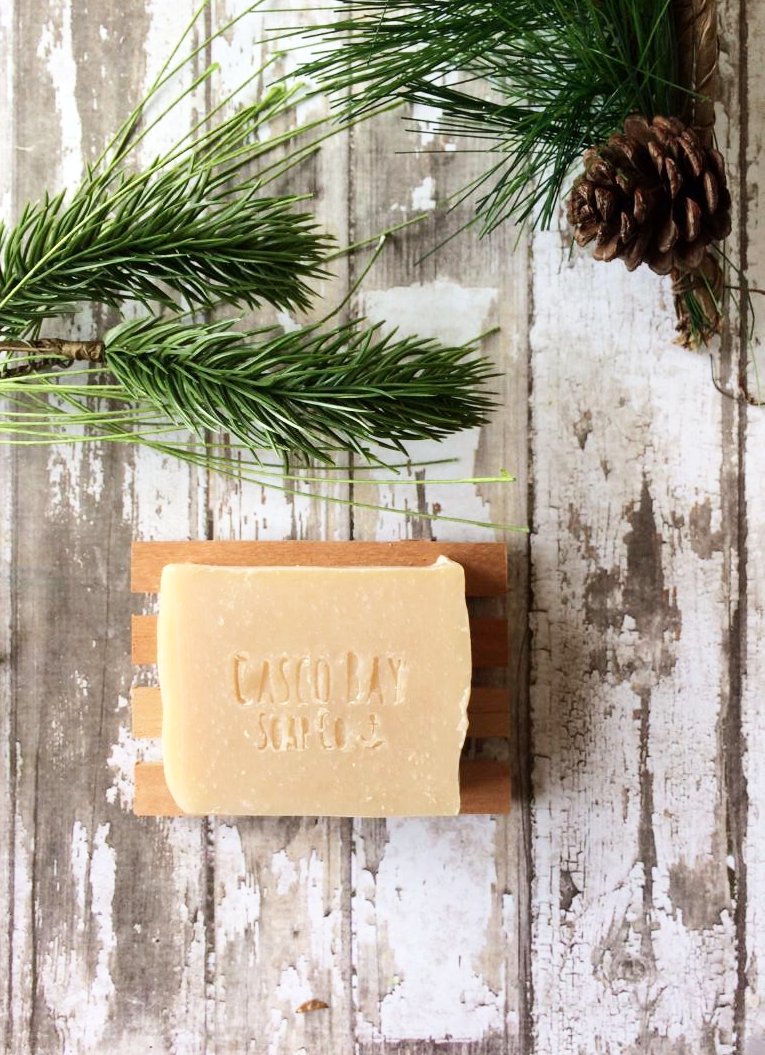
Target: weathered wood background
619, 908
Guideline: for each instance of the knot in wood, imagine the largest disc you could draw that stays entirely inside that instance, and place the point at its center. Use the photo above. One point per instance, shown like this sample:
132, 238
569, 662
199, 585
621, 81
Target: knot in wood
631, 969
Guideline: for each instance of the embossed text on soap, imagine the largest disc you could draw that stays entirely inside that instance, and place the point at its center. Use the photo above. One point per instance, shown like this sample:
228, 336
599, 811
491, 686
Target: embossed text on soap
303, 702
301, 680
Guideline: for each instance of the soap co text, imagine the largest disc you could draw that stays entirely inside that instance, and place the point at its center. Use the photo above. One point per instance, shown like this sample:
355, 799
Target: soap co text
324, 702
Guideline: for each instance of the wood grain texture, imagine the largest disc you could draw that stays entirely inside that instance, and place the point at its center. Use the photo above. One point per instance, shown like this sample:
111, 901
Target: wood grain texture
438, 959
742, 365
101, 963
279, 898
485, 564
488, 712
484, 788
631, 561
618, 909
488, 635
9, 890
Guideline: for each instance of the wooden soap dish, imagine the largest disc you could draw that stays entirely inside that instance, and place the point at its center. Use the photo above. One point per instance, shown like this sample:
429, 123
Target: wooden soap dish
484, 783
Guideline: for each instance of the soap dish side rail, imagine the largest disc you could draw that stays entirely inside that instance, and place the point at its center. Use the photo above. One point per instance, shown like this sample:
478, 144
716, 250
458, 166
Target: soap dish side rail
484, 782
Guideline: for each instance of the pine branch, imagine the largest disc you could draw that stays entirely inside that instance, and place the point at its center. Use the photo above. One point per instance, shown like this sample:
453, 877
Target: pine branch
561, 74
22, 358
191, 225
306, 392
40, 410
198, 224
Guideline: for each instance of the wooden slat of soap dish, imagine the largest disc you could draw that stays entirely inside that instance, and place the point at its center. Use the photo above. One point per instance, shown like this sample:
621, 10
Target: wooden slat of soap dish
485, 563
488, 638
484, 788
487, 712
484, 783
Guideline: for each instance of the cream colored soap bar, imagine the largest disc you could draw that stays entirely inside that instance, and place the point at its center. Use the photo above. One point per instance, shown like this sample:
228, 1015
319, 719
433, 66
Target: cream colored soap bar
314, 691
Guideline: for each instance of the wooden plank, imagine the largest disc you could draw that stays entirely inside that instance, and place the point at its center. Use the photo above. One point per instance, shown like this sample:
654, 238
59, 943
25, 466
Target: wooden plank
169, 960
487, 712
484, 788
11, 898
152, 795
77, 924
485, 563
146, 711
744, 726
12, 952
488, 636
400, 905
281, 928
634, 947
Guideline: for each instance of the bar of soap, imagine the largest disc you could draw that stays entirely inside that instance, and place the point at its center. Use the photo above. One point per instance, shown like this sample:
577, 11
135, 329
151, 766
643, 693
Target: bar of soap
314, 691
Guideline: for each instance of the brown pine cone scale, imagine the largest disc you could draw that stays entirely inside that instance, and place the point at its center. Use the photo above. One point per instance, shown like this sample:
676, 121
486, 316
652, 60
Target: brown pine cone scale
651, 194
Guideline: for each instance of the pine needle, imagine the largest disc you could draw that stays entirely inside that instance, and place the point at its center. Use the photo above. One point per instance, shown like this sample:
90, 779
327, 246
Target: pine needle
309, 392
200, 225
184, 227
561, 76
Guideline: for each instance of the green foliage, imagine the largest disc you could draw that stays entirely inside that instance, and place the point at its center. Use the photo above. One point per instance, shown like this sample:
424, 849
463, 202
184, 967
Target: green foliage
309, 392
194, 224
205, 224
83, 406
562, 75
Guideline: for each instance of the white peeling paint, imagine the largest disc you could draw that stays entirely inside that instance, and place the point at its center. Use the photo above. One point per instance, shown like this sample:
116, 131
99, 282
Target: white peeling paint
78, 992
251, 510
753, 695
74, 473
443, 309
102, 882
167, 23
239, 54
237, 910
284, 872
753, 707
22, 950
324, 928
168, 503
434, 920
607, 431
76, 470
425, 118
423, 195
291, 990
121, 762
56, 50
300, 51
295, 888
80, 864
287, 322
454, 314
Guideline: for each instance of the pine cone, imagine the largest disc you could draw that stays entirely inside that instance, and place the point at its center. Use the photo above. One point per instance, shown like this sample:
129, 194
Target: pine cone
652, 194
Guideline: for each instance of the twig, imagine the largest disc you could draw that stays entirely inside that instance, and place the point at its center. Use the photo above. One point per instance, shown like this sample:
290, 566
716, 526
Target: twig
34, 357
